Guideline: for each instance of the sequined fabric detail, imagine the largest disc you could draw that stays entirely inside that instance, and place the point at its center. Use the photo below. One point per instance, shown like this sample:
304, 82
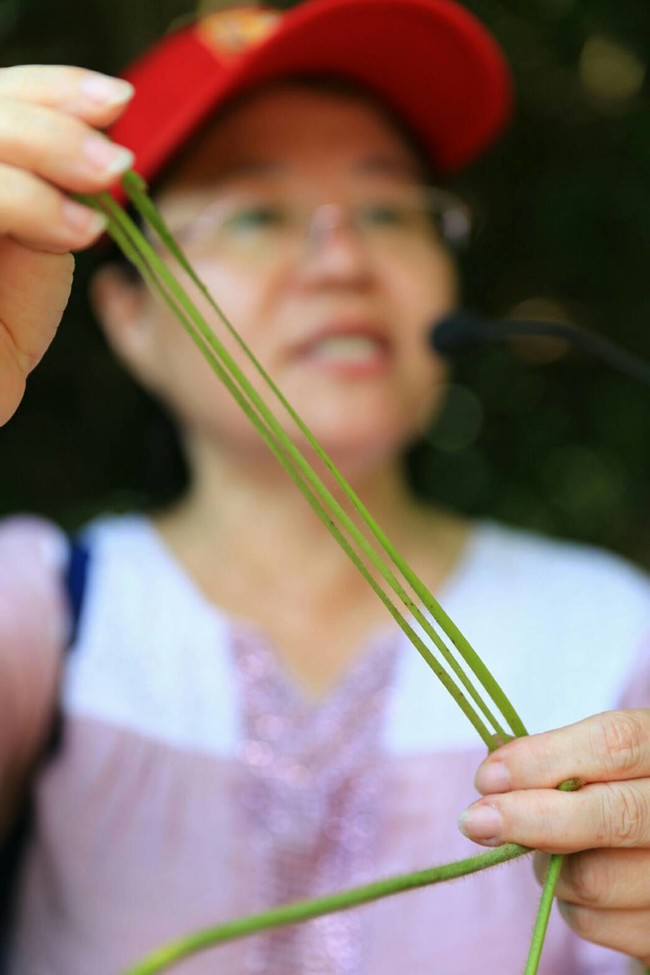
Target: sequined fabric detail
313, 786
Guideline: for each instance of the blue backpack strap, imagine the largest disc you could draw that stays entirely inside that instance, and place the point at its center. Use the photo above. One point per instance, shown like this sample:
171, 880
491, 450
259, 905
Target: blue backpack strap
75, 579
13, 846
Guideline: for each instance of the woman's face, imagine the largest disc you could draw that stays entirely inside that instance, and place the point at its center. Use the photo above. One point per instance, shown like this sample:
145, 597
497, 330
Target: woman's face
336, 315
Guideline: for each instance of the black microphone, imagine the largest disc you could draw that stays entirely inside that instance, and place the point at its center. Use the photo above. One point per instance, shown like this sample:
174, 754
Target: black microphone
464, 331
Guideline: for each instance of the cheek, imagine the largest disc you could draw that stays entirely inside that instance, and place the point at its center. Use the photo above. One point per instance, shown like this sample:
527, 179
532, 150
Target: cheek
421, 290
239, 297
179, 373
433, 290
176, 351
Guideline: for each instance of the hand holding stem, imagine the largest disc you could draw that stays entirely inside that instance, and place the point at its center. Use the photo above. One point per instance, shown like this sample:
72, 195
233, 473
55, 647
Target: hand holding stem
604, 885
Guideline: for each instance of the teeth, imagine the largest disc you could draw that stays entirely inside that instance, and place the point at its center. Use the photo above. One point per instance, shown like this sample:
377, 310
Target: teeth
352, 348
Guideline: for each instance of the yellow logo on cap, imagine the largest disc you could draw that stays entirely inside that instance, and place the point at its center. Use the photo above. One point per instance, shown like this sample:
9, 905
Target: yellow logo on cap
229, 32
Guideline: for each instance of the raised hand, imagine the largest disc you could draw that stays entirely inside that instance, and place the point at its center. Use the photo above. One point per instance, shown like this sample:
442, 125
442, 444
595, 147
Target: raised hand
49, 147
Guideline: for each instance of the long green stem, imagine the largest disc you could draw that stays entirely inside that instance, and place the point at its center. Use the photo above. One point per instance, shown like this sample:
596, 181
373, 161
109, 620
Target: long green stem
135, 188
543, 914
548, 893
301, 911
196, 326
280, 446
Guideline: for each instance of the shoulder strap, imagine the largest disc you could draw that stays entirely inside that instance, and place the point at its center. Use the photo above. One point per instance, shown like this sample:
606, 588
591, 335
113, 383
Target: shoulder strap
76, 576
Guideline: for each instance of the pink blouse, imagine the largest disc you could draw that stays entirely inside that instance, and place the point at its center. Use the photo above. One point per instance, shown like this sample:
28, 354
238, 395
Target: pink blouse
195, 784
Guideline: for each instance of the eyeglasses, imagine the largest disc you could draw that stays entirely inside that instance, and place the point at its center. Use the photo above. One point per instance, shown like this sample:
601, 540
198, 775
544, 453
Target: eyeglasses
269, 231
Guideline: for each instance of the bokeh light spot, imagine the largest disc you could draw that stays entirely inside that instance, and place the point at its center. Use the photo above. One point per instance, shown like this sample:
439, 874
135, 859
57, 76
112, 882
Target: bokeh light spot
460, 421
610, 71
540, 350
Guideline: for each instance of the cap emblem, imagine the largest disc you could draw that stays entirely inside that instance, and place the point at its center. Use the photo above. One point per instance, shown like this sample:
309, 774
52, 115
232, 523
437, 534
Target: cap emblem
229, 32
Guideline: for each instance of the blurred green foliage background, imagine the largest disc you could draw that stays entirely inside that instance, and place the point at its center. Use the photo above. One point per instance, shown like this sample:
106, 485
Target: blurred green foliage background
540, 438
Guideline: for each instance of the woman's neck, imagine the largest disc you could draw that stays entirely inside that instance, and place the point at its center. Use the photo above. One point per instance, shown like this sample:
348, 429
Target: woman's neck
246, 517
241, 510
256, 549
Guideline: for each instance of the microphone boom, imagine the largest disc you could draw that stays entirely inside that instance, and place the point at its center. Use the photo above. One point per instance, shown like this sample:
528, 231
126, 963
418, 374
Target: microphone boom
464, 331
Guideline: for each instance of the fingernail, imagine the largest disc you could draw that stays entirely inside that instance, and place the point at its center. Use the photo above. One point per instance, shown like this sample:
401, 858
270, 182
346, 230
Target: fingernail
482, 824
104, 90
492, 777
83, 219
105, 156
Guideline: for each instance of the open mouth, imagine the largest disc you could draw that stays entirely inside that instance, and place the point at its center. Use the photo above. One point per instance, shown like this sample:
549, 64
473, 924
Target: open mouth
348, 348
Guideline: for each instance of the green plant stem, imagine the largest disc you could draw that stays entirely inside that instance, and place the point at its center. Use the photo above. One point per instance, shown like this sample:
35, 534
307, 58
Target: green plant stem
197, 327
281, 447
548, 893
543, 914
158, 275
170, 954
135, 188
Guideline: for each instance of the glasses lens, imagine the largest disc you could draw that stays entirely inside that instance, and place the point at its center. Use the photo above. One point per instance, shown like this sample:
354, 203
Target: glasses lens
246, 230
425, 216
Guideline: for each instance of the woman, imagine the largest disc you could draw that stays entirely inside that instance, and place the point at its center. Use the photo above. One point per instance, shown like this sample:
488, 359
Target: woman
242, 727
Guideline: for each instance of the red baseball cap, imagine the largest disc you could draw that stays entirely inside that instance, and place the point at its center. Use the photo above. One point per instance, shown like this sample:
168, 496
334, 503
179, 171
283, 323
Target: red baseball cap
431, 61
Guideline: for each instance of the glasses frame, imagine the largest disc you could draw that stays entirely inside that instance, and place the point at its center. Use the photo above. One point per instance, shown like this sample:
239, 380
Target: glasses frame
455, 220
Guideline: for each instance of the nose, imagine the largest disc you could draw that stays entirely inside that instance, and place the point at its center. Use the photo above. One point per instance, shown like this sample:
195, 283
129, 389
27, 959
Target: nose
335, 249
326, 220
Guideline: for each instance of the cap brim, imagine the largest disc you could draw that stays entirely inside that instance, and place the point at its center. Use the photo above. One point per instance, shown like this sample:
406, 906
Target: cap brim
430, 60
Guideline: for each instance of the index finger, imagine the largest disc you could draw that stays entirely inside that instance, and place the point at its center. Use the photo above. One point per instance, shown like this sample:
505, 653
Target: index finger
93, 97
608, 747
